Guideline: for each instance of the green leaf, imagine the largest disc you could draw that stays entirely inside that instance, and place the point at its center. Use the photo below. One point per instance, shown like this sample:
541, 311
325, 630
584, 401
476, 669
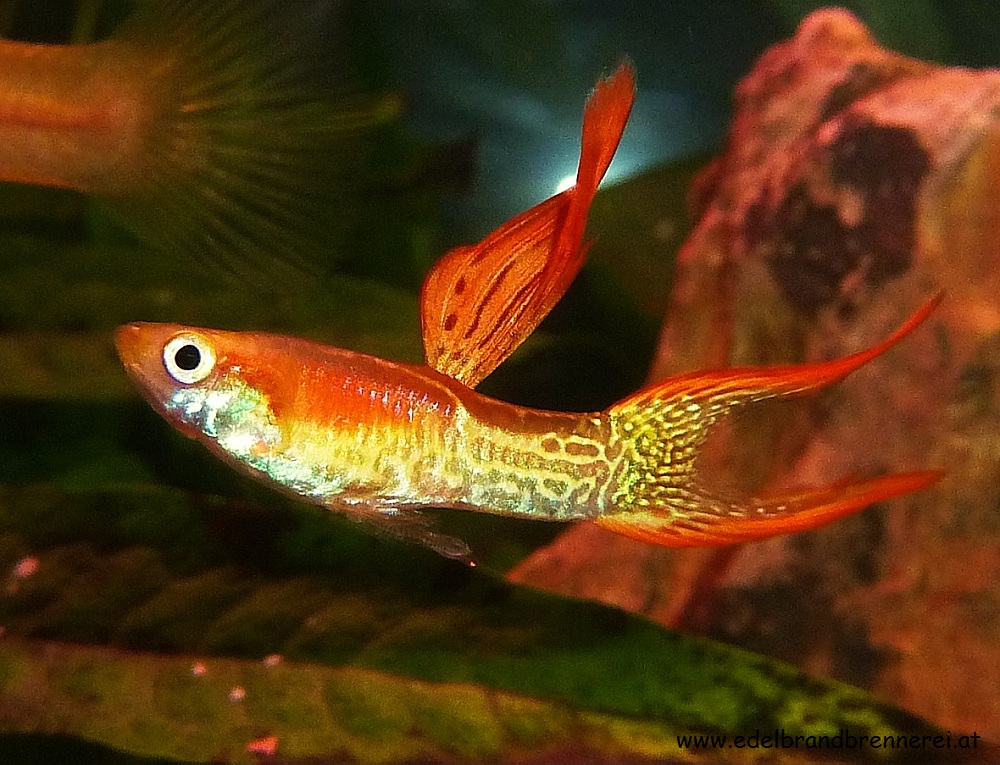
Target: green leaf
388, 651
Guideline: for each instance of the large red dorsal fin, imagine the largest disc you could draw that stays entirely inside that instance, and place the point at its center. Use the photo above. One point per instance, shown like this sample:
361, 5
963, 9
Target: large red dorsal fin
480, 302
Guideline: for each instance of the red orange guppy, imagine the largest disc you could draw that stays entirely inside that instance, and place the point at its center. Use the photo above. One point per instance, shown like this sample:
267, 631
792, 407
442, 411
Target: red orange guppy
378, 440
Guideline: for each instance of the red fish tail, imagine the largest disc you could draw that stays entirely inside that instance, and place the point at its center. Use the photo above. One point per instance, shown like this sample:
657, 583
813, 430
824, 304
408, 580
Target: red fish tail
224, 129
661, 497
697, 518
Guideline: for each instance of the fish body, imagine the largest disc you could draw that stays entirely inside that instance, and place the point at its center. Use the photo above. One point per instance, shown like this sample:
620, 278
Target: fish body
379, 440
348, 430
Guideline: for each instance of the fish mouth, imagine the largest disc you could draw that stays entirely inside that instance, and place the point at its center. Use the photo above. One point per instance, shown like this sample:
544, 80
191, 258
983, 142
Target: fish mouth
140, 348
135, 348
140, 345
128, 341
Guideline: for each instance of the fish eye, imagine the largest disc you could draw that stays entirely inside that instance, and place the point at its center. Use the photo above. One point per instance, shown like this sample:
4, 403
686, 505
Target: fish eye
188, 358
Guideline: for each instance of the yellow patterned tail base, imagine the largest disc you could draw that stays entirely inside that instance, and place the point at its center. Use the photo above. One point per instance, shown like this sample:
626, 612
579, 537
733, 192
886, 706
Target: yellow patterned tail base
658, 495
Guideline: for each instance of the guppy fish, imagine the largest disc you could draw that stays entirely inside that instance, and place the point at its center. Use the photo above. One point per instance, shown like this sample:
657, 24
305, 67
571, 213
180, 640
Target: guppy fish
378, 440
207, 126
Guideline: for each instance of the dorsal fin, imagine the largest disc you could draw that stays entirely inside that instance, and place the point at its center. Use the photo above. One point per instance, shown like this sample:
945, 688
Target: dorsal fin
479, 302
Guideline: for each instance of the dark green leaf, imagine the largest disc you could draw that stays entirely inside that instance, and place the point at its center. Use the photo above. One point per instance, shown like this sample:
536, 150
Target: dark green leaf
384, 645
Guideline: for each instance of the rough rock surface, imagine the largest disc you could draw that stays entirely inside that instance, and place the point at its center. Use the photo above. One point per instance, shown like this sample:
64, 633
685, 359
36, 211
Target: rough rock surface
855, 182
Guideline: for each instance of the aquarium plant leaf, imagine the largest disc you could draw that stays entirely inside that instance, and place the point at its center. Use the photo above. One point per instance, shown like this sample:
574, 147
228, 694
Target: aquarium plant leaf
167, 605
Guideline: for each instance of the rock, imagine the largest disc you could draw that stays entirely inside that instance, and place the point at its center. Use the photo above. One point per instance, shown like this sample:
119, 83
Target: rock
855, 182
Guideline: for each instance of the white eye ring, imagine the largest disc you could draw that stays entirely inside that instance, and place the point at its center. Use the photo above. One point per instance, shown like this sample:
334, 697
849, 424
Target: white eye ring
188, 358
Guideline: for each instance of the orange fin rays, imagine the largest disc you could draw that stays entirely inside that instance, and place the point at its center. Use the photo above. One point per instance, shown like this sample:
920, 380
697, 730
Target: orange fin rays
664, 427
728, 387
715, 522
480, 302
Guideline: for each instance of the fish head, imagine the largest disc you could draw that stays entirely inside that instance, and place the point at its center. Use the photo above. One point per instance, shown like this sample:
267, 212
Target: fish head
212, 385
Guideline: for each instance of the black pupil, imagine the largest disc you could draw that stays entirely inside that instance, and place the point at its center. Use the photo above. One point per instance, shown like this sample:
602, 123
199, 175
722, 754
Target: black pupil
187, 358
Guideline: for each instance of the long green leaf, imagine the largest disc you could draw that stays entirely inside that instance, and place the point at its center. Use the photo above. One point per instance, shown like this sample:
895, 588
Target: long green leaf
132, 569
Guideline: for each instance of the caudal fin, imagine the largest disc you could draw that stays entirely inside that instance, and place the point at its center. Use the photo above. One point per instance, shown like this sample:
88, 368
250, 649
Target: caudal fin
250, 131
697, 518
662, 498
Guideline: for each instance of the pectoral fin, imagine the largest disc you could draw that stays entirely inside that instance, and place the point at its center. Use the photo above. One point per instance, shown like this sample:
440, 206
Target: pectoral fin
409, 525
